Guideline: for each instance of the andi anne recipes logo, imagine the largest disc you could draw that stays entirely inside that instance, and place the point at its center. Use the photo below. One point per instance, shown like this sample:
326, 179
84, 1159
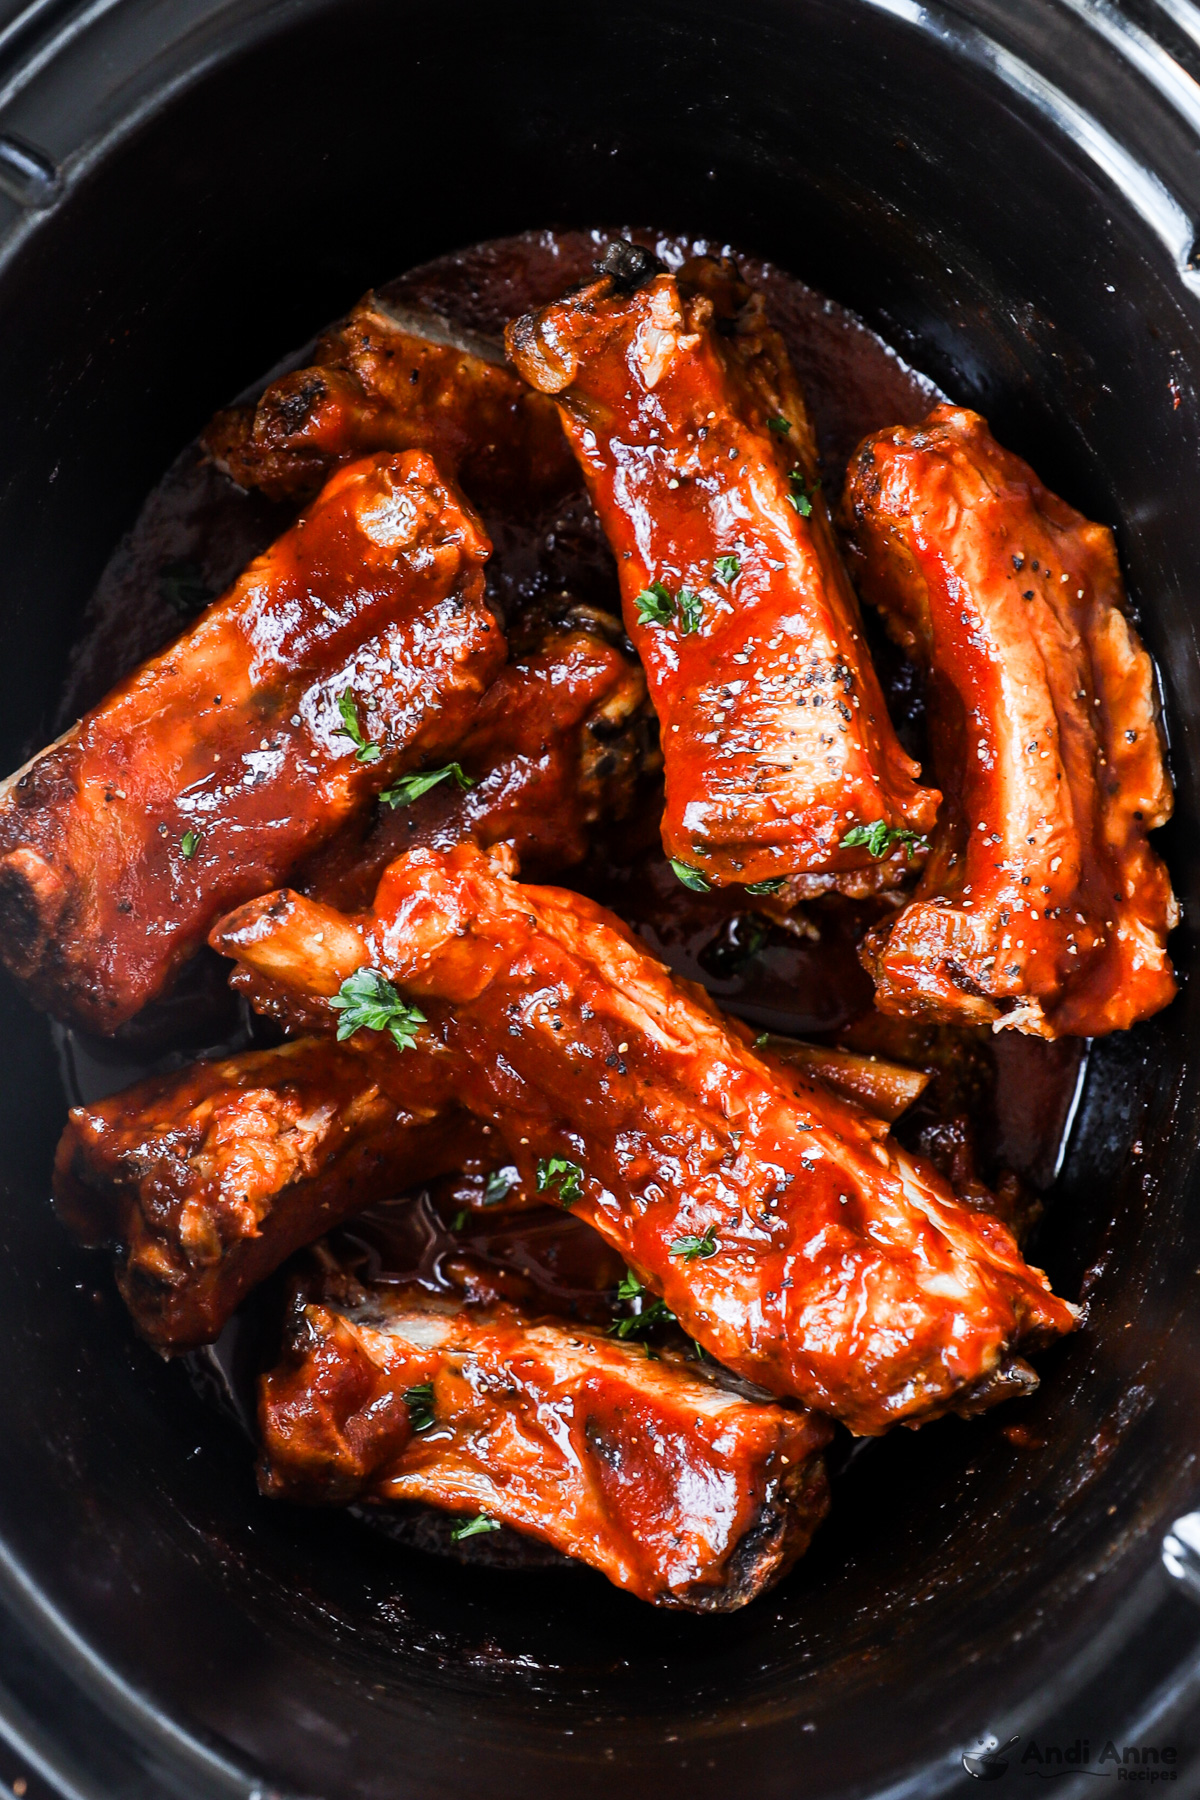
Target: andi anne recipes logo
1042, 1760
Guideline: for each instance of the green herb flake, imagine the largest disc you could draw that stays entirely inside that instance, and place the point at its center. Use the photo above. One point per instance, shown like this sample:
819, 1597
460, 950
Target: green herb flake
772, 885
651, 1312
460, 1219
367, 1001
880, 839
691, 611
727, 568
692, 1247
691, 878
365, 751
656, 1313
419, 1401
498, 1186
411, 787
764, 1037
474, 1528
189, 843
557, 1174
655, 605
799, 496
779, 424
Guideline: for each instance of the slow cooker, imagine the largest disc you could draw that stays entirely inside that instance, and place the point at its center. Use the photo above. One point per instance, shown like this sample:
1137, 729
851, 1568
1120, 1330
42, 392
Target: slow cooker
1009, 192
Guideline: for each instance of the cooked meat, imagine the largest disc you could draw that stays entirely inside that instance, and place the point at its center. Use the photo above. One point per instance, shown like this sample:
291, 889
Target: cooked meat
789, 1235
885, 1089
352, 650
205, 1181
676, 1488
682, 408
553, 747
1042, 907
522, 1233
387, 378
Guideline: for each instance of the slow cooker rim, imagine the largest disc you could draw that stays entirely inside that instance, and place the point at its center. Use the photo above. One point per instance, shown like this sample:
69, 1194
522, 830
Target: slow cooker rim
28, 53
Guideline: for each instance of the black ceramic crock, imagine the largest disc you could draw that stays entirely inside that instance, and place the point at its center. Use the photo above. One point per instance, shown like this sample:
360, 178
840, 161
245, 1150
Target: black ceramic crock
1009, 190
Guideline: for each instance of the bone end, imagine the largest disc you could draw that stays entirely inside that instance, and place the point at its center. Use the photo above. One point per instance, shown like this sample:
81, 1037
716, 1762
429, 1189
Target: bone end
291, 940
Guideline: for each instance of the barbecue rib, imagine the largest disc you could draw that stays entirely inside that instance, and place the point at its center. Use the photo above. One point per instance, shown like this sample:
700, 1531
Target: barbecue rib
205, 1181
682, 408
791, 1237
553, 748
677, 1489
209, 772
391, 378
1042, 907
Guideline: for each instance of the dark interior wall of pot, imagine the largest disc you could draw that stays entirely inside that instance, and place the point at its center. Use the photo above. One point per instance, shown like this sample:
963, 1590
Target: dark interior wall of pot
960, 1571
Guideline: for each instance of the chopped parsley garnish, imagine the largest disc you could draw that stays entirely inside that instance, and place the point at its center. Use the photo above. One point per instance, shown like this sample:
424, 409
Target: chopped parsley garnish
556, 1172
771, 885
799, 496
411, 787
691, 878
764, 1037
367, 1001
499, 1183
474, 1527
691, 1247
655, 605
779, 424
189, 843
419, 1401
691, 610
365, 751
727, 568
460, 1219
656, 1313
652, 1312
879, 839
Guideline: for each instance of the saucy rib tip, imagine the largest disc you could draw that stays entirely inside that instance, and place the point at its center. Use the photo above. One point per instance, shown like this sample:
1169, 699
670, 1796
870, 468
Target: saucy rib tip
1042, 907
558, 743
394, 378
355, 648
683, 410
205, 1181
679, 1490
790, 1235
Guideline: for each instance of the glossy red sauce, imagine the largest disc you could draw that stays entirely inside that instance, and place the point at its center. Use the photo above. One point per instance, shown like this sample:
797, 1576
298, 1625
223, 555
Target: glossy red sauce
196, 532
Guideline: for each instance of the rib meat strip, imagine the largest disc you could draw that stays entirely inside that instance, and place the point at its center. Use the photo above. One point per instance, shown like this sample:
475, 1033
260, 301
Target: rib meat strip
206, 1180
682, 408
553, 748
392, 378
679, 1490
789, 1234
1043, 907
209, 772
